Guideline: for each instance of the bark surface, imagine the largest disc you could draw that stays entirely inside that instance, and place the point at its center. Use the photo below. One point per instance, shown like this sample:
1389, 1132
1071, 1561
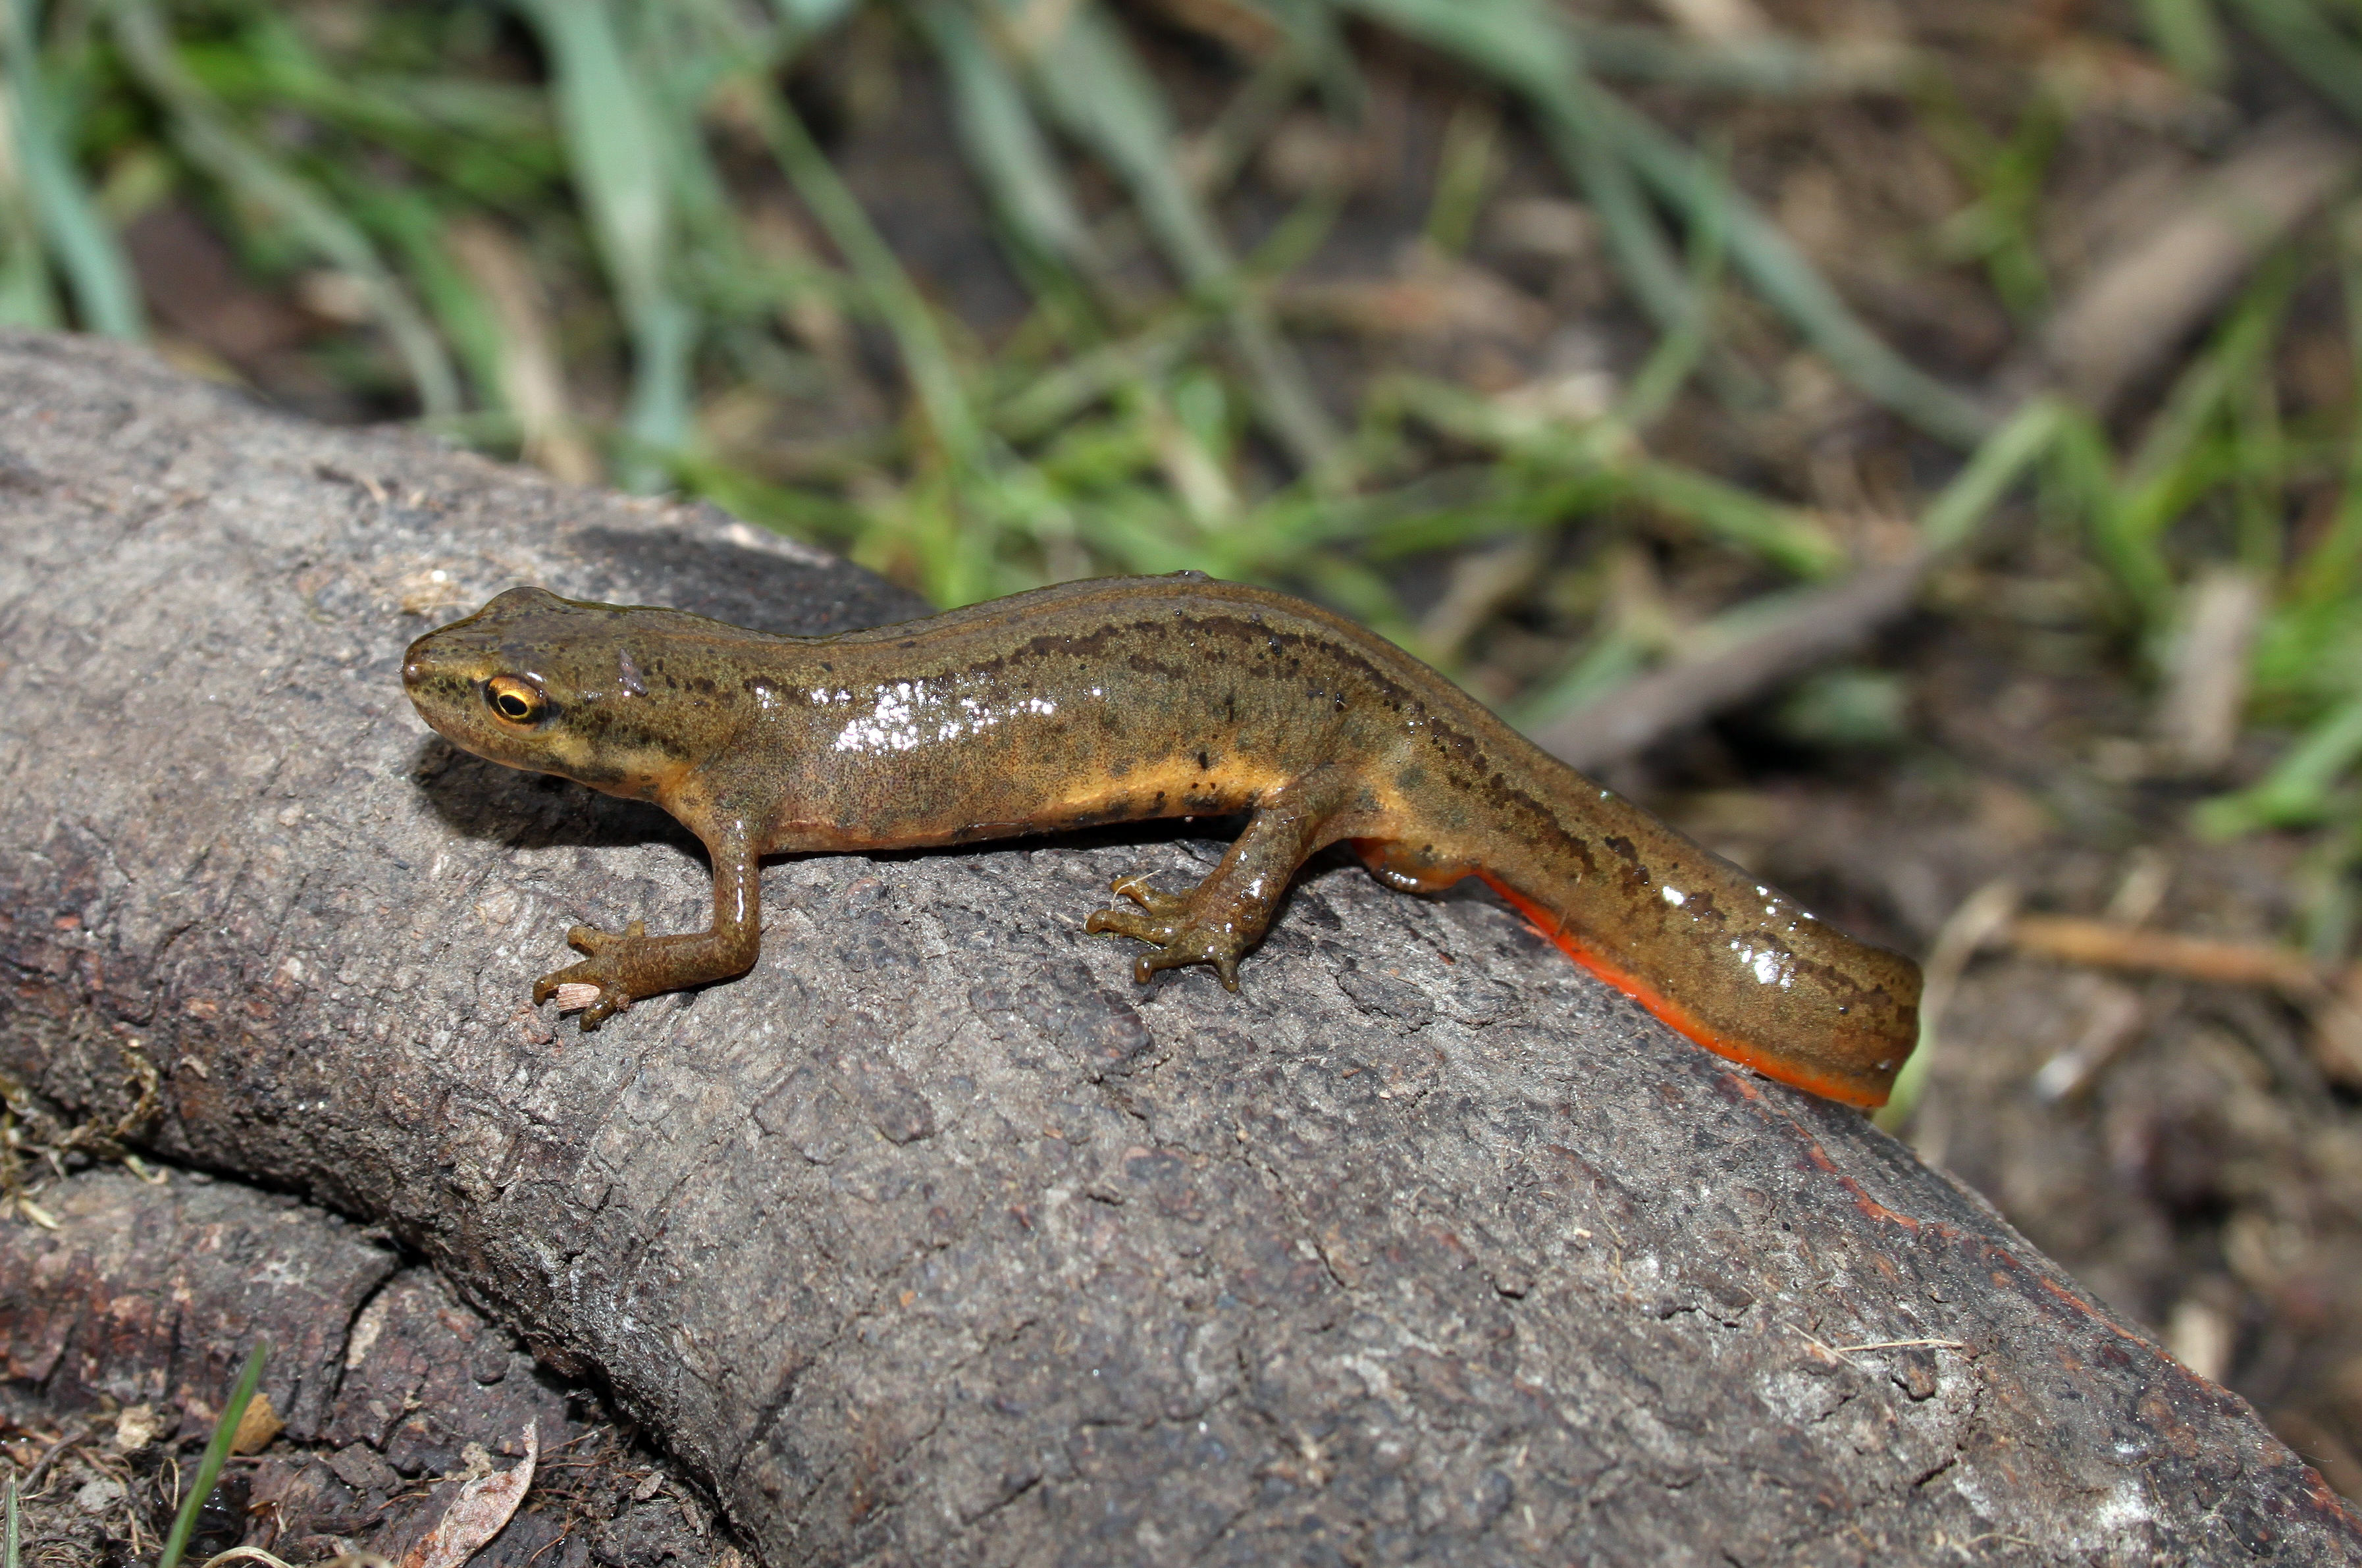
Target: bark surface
935, 1239
149, 1297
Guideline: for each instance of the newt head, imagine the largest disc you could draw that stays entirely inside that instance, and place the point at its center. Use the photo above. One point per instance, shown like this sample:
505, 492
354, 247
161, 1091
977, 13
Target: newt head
587, 691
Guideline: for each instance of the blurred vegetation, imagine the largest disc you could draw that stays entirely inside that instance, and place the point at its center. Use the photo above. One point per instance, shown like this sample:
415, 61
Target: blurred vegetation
613, 236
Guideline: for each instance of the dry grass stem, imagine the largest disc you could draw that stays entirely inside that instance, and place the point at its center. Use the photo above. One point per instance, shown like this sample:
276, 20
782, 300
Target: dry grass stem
2160, 284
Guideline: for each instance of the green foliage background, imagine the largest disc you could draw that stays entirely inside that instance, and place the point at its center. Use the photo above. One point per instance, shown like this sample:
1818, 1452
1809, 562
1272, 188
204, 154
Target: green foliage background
1130, 430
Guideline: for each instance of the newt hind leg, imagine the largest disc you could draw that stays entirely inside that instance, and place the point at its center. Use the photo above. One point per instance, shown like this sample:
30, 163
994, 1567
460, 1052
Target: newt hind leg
1408, 868
1217, 920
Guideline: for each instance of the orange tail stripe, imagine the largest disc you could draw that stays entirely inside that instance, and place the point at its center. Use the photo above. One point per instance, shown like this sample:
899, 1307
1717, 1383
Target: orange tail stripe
1673, 1014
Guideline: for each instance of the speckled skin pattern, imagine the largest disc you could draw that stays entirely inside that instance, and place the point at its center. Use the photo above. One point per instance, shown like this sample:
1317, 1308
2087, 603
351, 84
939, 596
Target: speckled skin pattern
1121, 700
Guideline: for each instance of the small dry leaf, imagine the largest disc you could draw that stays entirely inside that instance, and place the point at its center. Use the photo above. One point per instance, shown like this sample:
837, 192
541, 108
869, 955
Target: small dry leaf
483, 1508
574, 997
136, 1426
257, 1427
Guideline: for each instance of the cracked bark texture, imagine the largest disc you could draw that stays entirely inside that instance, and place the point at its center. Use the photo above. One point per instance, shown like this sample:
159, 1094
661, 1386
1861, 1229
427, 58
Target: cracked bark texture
153, 1295
935, 1239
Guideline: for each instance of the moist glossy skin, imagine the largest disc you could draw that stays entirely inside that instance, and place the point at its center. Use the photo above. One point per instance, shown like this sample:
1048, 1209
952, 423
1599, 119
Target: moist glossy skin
1127, 699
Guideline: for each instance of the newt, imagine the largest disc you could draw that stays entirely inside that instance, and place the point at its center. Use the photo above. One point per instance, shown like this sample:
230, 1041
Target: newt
1121, 700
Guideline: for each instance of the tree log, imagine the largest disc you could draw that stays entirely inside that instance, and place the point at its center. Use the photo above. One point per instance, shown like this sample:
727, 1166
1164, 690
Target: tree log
935, 1239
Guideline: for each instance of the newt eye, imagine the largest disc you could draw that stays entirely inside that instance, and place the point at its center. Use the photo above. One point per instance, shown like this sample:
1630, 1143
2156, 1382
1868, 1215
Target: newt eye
518, 702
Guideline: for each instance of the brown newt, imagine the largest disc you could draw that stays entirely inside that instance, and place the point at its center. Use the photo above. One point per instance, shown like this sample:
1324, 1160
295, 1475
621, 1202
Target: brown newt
1121, 700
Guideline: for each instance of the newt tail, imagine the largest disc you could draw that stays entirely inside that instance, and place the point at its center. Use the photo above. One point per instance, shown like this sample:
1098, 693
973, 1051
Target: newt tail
1867, 1090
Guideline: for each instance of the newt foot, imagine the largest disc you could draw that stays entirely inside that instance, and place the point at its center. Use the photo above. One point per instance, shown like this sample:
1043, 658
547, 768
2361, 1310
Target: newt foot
1169, 924
603, 970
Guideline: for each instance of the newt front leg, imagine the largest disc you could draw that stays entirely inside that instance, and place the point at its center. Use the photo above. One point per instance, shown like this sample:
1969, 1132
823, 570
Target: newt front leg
632, 965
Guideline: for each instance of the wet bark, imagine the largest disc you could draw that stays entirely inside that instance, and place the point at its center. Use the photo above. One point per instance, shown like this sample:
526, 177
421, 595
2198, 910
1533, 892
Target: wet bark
933, 1239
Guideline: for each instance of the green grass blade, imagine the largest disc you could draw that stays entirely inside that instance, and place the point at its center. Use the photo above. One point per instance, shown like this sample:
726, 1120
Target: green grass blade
1511, 40
1316, 40
207, 136
408, 218
494, 140
27, 296
2184, 455
1795, 288
896, 300
1438, 510
1093, 84
798, 513
2083, 484
105, 291
1096, 87
2190, 37
1046, 400
1516, 44
1953, 516
1644, 257
1604, 457
1003, 140
1607, 142
9, 1546
1352, 587
1791, 540
1245, 125
2332, 569
1619, 653
1998, 229
812, 16
948, 523
683, 53
1467, 166
2310, 44
209, 1469
2228, 363
2297, 789
1660, 377
1768, 66
2307, 658
615, 144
